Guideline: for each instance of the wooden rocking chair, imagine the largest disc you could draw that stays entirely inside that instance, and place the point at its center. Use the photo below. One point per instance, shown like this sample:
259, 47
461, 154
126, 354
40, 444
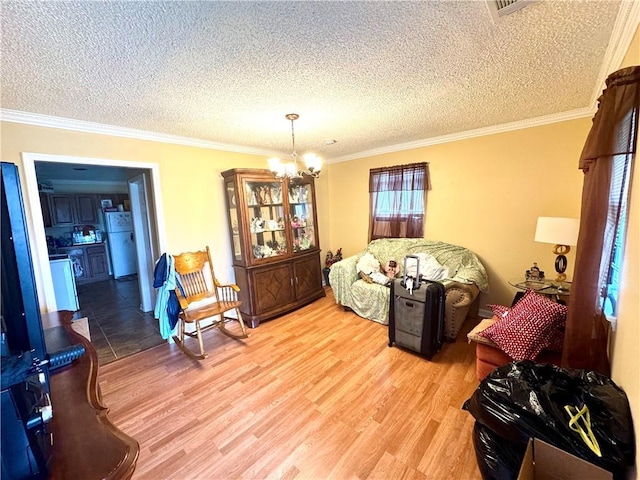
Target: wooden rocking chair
204, 298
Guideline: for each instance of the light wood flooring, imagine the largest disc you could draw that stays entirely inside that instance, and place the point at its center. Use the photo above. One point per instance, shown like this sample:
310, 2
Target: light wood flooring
316, 394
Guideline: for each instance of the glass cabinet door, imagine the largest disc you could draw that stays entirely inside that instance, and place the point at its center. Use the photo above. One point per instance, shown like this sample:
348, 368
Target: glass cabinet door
266, 218
232, 202
301, 216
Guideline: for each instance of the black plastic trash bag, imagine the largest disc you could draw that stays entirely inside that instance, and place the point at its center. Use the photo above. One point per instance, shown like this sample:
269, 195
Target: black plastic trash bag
524, 399
498, 459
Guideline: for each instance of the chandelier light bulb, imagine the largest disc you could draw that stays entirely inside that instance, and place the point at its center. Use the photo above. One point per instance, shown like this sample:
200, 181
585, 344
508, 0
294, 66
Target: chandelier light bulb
277, 167
291, 170
274, 163
313, 162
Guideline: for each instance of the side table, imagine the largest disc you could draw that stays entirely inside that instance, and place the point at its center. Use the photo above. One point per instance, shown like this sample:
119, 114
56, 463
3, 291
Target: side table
558, 291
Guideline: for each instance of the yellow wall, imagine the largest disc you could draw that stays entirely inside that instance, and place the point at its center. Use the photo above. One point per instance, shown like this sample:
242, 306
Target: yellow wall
487, 193
191, 185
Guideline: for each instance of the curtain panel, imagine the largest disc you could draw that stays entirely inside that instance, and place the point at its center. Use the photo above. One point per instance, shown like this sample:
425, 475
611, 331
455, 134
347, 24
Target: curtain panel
610, 146
398, 201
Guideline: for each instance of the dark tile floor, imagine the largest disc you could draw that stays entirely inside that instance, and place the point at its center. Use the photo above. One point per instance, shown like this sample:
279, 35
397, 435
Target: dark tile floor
117, 325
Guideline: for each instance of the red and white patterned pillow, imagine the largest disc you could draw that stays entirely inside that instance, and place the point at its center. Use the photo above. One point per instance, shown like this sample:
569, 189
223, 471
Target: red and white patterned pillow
528, 327
499, 310
556, 342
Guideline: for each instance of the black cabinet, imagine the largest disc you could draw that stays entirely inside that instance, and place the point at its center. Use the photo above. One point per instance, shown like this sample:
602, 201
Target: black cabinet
24, 408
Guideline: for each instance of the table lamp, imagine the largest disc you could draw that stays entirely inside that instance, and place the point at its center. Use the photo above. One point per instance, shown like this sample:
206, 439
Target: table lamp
563, 232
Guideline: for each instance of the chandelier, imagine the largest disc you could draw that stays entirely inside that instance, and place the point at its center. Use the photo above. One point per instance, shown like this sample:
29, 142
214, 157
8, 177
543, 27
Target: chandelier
291, 169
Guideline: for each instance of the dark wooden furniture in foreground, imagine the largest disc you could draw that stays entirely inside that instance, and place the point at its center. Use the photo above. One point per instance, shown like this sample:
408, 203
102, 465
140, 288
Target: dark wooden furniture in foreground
206, 299
85, 443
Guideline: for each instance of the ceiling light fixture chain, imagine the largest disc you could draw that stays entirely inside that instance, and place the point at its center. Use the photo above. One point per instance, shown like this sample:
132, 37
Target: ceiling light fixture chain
282, 169
293, 117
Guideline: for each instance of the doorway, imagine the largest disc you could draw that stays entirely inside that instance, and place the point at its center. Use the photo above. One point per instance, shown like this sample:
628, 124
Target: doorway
101, 175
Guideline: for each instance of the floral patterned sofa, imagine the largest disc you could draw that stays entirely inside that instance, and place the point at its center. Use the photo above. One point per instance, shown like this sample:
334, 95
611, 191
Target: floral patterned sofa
467, 278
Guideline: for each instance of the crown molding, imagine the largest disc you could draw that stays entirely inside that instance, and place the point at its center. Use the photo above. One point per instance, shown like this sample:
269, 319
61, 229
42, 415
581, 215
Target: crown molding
625, 27
16, 116
479, 132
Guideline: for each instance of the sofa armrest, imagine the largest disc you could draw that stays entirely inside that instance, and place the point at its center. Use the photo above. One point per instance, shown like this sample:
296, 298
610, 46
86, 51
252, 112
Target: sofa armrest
458, 300
461, 294
341, 276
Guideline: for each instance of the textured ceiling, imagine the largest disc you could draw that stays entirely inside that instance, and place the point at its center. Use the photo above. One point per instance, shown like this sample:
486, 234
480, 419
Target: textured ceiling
371, 75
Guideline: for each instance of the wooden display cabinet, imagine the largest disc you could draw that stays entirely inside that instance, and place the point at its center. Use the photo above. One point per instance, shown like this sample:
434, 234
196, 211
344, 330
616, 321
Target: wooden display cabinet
274, 241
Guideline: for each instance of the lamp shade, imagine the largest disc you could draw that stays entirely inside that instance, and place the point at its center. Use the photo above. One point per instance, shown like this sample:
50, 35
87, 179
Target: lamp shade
557, 230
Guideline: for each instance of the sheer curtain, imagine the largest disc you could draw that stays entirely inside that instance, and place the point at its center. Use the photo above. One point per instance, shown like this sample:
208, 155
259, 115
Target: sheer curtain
398, 201
608, 153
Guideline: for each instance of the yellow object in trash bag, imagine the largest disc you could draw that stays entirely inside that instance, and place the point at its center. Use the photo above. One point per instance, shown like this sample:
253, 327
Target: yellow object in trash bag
585, 431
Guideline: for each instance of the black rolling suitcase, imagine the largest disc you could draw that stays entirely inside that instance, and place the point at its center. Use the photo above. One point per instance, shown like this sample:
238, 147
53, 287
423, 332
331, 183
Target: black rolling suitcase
416, 313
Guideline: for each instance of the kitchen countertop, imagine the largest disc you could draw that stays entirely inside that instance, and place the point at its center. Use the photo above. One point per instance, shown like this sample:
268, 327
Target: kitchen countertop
61, 252
82, 244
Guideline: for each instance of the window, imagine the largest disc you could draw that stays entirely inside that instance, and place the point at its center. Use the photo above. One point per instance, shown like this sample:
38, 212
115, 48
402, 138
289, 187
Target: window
607, 161
615, 233
398, 201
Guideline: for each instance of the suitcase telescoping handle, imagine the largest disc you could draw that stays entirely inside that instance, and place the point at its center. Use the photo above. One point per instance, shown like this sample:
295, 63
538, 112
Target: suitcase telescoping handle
410, 282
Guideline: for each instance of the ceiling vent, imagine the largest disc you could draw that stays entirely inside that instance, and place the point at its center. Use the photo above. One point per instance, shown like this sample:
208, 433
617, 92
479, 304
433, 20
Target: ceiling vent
500, 8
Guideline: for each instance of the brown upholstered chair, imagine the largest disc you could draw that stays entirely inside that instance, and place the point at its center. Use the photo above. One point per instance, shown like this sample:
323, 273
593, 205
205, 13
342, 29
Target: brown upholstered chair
205, 299
489, 356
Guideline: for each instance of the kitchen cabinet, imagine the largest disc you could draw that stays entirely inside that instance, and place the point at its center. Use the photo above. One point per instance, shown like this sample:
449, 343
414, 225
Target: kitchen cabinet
46, 210
97, 262
73, 209
86, 209
62, 210
274, 241
78, 263
89, 262
116, 199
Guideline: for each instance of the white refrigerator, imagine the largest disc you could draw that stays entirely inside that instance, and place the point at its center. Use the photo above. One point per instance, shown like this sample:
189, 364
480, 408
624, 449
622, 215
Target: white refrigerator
122, 246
